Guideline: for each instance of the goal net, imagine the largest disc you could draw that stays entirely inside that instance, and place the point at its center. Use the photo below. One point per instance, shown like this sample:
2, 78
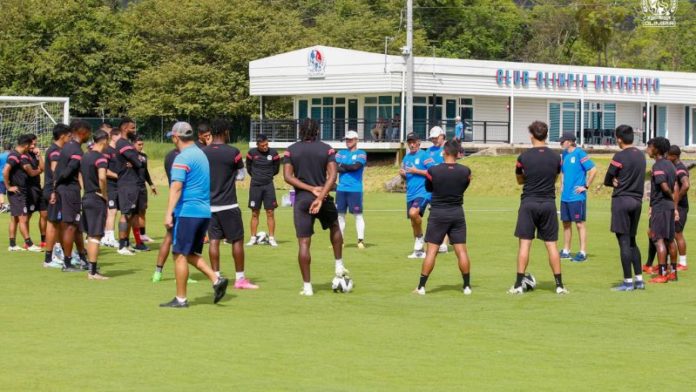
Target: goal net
37, 115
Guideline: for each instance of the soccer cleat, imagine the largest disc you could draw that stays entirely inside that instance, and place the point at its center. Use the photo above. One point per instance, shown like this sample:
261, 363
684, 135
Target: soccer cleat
640, 285
81, 264
55, 263
58, 251
141, 248
649, 269
579, 258
672, 277
565, 255
71, 269
361, 244
220, 288
624, 286
659, 279
516, 290
272, 242
467, 290
561, 290
307, 293
175, 303
252, 241
244, 284
42, 245
419, 291
15, 248
125, 252
682, 267
97, 277
32, 248
442, 249
145, 238
417, 254
156, 277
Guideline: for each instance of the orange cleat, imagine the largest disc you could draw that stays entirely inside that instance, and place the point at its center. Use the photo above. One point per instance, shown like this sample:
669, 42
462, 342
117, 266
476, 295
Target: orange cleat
648, 269
672, 276
681, 267
659, 279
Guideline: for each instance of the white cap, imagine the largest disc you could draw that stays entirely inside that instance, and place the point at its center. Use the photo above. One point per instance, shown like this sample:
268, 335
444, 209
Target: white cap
436, 131
351, 135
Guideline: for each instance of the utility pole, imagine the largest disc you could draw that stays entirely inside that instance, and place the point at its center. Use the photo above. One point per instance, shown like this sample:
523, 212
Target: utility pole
408, 56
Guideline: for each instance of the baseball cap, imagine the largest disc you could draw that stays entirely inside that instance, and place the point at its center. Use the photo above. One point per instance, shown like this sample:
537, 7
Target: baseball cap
181, 128
436, 131
567, 135
412, 136
351, 135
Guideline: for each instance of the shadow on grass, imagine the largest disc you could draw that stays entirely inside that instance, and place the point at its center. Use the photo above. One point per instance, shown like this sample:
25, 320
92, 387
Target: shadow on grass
208, 299
449, 287
117, 273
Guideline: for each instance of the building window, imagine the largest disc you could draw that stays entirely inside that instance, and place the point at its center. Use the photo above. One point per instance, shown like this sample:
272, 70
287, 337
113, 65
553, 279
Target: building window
330, 112
382, 117
600, 115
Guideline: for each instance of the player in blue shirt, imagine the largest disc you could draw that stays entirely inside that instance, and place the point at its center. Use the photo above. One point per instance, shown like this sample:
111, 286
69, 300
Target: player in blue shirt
458, 129
349, 193
436, 152
3, 160
414, 168
189, 203
577, 174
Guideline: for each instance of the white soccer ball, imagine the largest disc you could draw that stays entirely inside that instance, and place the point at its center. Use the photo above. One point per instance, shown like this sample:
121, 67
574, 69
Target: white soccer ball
261, 238
528, 282
342, 284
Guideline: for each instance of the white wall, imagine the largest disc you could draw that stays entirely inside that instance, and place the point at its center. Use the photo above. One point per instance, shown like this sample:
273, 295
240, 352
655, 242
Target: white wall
490, 108
629, 113
528, 110
675, 124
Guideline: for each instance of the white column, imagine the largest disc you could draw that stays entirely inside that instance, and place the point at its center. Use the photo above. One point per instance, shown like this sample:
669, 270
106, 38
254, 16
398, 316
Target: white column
512, 114
582, 121
66, 112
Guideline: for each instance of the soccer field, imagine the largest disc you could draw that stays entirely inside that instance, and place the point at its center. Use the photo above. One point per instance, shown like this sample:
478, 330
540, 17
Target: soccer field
62, 332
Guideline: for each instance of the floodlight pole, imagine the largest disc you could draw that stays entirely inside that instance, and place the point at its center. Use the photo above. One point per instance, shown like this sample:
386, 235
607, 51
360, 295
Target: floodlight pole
408, 54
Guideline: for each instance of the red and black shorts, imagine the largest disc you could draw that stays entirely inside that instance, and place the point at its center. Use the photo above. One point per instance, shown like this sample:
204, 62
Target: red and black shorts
227, 225
662, 225
446, 222
304, 221
681, 223
94, 210
262, 194
70, 204
18, 203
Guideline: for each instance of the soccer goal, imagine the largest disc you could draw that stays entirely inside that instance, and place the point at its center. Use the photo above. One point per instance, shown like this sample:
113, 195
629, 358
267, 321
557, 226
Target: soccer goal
37, 115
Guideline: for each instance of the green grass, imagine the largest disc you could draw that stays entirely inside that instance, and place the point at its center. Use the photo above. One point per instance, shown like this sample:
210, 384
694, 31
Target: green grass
63, 332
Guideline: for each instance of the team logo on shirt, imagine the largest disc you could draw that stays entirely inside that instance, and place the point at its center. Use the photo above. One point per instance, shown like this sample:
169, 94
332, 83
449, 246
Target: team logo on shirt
252, 204
77, 217
111, 203
354, 157
572, 159
268, 158
417, 161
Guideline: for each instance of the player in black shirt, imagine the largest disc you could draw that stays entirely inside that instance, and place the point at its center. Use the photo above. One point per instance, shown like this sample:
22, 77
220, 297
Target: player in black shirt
110, 151
226, 167
145, 178
130, 202
683, 206
447, 182
310, 167
166, 244
15, 178
537, 170
664, 199
262, 164
67, 189
35, 199
204, 135
626, 174
94, 202
61, 135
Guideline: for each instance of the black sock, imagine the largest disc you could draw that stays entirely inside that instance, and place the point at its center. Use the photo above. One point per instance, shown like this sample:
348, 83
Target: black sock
83, 256
122, 243
43, 237
48, 256
67, 260
28, 242
674, 268
142, 231
92, 268
518, 280
652, 251
13, 242
466, 278
423, 280
558, 279
159, 269
663, 269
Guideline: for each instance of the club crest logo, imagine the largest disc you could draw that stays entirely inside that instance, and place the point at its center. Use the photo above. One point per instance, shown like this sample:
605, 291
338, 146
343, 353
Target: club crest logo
316, 63
659, 13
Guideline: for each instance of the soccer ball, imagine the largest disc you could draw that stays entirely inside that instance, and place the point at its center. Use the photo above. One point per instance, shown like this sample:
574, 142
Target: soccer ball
261, 238
528, 282
342, 284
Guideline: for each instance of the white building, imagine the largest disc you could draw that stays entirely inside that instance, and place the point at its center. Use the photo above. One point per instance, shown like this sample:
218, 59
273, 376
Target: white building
348, 89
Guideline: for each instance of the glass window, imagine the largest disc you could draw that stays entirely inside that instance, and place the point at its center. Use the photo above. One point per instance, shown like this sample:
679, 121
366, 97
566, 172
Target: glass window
451, 108
340, 101
554, 121
436, 100
383, 100
419, 100
467, 101
302, 108
316, 101
370, 100
327, 101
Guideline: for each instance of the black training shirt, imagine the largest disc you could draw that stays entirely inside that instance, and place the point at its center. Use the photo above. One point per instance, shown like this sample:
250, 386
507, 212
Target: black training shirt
69, 165
126, 153
112, 153
540, 167
91, 163
52, 155
144, 172
628, 167
168, 162
447, 182
18, 177
309, 160
225, 161
662, 171
33, 161
682, 172
262, 166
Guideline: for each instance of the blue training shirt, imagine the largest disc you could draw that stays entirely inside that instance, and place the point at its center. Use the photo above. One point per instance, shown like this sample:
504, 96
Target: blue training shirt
437, 156
191, 168
3, 161
459, 131
575, 166
415, 183
351, 181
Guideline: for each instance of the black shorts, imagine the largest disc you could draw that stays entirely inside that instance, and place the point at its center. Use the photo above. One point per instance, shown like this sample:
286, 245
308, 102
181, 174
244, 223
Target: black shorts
304, 221
53, 211
93, 215
227, 225
683, 214
70, 204
662, 225
130, 200
625, 215
112, 194
143, 198
18, 203
262, 194
538, 217
446, 222
188, 236
36, 201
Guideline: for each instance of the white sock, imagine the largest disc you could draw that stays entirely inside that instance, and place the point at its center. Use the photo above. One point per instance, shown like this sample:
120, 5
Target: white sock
308, 287
342, 222
339, 265
639, 278
217, 273
566, 250
582, 252
239, 275
418, 246
629, 280
682, 260
360, 226
108, 234
181, 299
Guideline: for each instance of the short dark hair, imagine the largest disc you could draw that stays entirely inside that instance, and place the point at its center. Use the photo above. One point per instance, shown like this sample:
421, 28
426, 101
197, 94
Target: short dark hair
24, 140
261, 138
59, 130
7, 145
138, 138
76, 125
125, 121
115, 132
661, 144
539, 130
452, 148
220, 126
32, 136
99, 135
309, 129
625, 133
105, 126
674, 151
203, 127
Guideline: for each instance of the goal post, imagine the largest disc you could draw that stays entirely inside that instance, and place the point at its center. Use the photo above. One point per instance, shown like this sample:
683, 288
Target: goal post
37, 115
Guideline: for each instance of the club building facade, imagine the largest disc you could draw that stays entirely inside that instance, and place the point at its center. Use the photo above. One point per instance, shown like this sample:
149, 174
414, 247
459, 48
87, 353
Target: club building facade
346, 89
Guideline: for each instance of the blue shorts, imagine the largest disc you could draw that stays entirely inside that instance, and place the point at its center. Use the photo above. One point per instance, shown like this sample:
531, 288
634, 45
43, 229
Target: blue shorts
3, 188
349, 201
189, 234
573, 211
419, 202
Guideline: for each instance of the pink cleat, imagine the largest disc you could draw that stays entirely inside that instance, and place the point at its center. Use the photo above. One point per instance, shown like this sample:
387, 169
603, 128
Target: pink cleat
244, 284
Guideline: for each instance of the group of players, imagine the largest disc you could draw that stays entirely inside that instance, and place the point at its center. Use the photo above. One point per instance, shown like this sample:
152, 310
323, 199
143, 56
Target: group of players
82, 192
